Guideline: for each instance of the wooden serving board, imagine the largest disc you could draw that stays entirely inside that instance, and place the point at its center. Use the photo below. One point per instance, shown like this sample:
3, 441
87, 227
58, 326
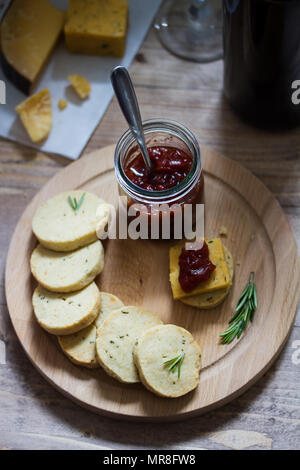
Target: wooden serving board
260, 240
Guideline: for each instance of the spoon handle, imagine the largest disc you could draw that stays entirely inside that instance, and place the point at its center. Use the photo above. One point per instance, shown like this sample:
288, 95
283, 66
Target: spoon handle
127, 99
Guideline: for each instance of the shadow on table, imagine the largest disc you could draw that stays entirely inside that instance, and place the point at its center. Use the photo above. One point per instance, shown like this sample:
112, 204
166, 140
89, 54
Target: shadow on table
240, 140
30, 153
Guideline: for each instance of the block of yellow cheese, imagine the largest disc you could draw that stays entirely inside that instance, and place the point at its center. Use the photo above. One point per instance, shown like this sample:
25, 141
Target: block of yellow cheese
219, 279
97, 27
29, 32
36, 115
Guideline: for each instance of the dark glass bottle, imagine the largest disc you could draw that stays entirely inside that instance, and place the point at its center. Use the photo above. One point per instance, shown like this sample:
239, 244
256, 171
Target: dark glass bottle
262, 60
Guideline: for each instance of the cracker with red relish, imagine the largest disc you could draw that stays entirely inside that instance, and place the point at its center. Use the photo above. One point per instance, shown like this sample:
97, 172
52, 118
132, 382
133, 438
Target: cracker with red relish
213, 299
219, 278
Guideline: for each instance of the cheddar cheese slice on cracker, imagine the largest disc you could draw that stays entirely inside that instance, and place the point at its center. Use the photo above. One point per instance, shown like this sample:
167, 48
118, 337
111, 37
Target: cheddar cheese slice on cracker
212, 299
219, 279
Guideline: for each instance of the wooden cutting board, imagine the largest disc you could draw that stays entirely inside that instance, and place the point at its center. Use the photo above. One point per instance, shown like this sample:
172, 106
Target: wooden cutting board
260, 240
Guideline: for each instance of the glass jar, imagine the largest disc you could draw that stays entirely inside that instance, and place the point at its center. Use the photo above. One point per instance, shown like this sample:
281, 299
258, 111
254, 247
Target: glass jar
167, 133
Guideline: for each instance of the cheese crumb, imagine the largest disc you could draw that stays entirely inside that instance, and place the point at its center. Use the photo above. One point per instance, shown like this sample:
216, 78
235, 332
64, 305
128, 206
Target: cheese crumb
223, 231
62, 104
81, 85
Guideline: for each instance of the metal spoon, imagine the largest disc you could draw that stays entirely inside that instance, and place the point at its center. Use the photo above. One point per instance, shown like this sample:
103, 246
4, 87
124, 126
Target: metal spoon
126, 96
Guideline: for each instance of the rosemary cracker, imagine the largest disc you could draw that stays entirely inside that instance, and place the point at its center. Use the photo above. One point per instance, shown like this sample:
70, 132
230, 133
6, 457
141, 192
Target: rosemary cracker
63, 314
67, 272
212, 299
116, 338
168, 360
67, 221
109, 302
80, 347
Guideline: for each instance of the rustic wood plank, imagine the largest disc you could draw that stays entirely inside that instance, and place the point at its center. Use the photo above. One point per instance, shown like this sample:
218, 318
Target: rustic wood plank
271, 407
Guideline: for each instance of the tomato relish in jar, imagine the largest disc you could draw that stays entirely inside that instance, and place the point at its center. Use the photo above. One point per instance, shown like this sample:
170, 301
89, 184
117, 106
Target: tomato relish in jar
176, 177
170, 166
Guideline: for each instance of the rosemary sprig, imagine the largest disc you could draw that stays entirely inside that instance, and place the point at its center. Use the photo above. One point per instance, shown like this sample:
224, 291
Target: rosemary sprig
175, 362
74, 204
245, 309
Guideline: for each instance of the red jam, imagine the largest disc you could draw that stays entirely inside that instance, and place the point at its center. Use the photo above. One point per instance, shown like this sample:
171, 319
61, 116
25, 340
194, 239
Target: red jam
170, 167
195, 267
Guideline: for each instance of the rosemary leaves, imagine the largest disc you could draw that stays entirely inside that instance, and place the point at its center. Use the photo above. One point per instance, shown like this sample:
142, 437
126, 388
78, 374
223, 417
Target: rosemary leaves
74, 204
245, 310
174, 363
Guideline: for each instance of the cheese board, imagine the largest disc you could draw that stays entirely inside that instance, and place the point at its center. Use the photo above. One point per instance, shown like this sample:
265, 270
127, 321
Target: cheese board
258, 236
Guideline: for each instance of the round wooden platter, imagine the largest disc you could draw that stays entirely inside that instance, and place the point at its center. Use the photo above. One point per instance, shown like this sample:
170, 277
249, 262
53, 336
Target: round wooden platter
260, 240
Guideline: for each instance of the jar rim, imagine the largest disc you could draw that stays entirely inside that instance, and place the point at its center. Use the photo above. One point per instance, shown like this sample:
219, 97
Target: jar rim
161, 125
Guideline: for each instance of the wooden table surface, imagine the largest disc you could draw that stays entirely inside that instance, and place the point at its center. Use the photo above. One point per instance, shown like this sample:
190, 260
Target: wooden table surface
33, 415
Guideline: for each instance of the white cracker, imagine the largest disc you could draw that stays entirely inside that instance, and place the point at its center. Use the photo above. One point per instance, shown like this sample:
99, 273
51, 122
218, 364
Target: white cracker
60, 228
109, 302
67, 272
160, 344
80, 347
63, 314
116, 338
